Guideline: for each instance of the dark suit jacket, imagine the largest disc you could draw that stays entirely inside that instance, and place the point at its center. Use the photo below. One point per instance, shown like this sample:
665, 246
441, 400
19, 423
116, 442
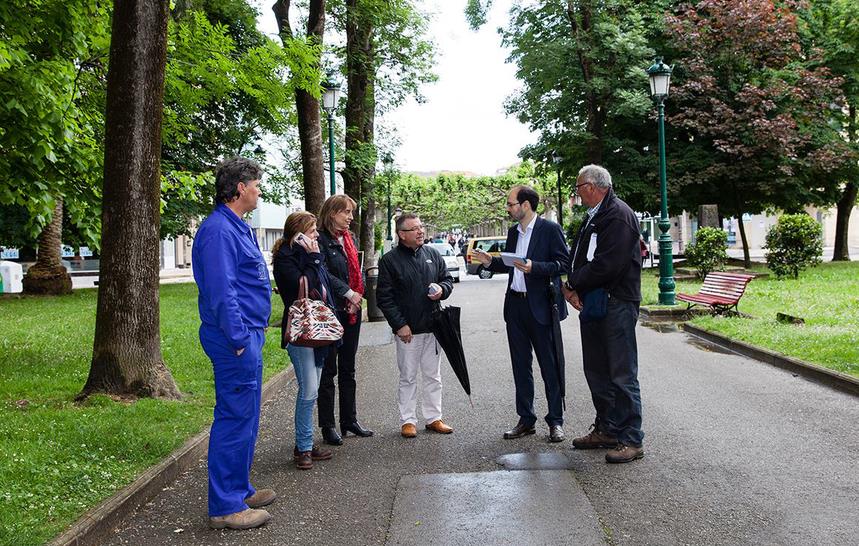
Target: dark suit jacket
549, 257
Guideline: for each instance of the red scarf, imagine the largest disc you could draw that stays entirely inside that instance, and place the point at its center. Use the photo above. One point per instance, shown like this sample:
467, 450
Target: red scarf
356, 282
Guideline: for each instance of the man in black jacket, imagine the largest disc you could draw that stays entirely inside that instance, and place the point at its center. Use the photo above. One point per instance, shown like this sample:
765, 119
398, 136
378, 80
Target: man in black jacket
605, 273
412, 279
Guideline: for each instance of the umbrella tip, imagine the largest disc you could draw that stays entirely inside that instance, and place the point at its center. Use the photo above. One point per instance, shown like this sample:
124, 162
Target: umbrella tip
471, 401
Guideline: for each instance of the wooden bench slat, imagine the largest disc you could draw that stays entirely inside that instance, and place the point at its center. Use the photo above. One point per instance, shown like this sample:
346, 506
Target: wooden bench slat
719, 290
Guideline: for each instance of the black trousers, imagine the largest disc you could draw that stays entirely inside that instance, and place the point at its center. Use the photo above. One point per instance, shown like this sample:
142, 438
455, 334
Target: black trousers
340, 363
610, 356
523, 334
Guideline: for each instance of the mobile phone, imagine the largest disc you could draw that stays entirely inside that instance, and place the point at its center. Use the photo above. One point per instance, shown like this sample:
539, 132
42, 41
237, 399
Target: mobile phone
298, 237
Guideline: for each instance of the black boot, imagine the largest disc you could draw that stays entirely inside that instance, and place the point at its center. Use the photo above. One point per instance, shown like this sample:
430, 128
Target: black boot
331, 437
356, 429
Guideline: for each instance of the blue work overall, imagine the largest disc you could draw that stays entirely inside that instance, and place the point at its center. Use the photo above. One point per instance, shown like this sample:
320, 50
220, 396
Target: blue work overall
235, 304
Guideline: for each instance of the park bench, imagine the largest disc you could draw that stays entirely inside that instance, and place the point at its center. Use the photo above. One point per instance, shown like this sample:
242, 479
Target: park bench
721, 291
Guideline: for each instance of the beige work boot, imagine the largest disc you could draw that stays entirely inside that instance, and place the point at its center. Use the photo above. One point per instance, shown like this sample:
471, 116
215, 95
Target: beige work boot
246, 519
263, 497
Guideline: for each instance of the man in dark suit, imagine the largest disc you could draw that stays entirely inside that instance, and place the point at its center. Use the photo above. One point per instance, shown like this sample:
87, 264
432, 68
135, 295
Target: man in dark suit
607, 263
528, 307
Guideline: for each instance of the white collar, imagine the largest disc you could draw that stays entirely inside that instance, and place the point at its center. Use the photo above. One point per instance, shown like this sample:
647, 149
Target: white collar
529, 227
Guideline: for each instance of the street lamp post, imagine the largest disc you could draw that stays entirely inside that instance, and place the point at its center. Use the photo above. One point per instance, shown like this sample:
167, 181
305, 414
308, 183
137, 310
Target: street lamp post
556, 159
329, 103
660, 78
388, 161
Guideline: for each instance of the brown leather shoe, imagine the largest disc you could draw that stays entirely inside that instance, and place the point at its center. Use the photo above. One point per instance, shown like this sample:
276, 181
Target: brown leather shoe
304, 461
595, 439
440, 427
246, 519
316, 453
409, 431
623, 453
263, 497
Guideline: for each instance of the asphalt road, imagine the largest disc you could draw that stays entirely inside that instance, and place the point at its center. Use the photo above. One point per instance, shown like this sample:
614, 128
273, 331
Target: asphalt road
738, 452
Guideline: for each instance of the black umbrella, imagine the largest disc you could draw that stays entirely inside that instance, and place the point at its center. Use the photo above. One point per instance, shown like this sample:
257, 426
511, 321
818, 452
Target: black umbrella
445, 327
557, 340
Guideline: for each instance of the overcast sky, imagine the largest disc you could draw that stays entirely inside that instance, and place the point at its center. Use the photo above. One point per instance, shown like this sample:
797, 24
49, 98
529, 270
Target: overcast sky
462, 125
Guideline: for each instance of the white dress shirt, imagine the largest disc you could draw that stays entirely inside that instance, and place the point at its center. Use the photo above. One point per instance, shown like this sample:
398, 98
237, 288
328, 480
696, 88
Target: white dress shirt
522, 243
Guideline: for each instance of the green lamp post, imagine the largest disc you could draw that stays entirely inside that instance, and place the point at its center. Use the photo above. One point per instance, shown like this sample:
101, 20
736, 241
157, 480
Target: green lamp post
387, 160
660, 78
329, 103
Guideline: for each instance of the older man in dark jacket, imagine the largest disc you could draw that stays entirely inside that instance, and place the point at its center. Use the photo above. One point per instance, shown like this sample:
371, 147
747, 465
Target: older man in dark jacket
412, 279
604, 283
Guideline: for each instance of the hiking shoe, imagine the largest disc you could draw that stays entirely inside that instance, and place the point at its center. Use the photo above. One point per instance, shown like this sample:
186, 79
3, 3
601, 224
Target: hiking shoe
595, 439
303, 461
623, 453
316, 453
263, 497
246, 519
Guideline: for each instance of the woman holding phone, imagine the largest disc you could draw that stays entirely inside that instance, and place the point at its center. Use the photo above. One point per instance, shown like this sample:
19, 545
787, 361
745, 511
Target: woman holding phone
339, 248
297, 255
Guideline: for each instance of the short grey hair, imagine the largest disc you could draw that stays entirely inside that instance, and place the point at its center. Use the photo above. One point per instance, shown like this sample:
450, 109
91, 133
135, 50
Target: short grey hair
596, 175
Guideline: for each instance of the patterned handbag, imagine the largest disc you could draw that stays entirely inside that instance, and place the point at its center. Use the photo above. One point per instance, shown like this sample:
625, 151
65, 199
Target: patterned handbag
311, 323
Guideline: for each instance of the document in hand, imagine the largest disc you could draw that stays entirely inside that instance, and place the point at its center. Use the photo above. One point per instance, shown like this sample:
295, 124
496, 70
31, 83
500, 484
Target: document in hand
509, 257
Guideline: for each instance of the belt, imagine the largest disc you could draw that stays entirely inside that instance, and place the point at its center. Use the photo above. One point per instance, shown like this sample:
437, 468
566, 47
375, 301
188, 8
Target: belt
516, 294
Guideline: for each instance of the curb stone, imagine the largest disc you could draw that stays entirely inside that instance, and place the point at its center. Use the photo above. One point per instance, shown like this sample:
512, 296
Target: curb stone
831, 378
99, 522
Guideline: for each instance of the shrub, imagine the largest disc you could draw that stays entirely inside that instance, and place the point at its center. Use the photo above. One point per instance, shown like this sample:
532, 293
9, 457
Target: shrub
708, 253
794, 243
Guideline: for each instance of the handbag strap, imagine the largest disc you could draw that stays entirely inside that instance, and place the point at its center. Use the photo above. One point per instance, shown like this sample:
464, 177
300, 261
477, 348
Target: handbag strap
302, 287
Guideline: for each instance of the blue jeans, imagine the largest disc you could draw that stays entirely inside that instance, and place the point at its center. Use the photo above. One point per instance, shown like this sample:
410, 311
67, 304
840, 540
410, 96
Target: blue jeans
307, 363
610, 355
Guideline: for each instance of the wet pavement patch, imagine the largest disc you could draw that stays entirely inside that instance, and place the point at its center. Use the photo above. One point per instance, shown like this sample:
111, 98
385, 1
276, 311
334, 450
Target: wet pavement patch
660, 325
707, 346
534, 507
535, 461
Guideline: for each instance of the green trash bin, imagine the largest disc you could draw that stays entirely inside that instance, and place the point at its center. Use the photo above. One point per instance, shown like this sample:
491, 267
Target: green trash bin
374, 314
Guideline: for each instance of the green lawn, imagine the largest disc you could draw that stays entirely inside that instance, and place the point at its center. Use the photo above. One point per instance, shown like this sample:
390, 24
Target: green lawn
826, 296
58, 459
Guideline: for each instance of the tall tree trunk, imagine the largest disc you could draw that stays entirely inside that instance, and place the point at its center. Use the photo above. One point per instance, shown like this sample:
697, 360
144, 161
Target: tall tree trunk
48, 276
126, 356
581, 24
360, 119
841, 252
307, 106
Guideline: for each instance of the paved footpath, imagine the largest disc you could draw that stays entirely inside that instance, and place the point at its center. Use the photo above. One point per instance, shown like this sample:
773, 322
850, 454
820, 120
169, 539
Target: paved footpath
738, 452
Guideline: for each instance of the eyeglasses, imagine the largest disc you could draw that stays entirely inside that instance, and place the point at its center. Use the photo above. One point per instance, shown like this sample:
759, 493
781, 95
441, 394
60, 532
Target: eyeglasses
418, 227
580, 185
511, 205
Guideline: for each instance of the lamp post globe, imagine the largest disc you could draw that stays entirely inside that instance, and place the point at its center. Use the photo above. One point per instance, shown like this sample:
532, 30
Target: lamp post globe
330, 94
660, 80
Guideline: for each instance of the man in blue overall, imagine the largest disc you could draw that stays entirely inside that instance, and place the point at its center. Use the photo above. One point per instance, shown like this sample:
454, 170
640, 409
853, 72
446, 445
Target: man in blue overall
235, 304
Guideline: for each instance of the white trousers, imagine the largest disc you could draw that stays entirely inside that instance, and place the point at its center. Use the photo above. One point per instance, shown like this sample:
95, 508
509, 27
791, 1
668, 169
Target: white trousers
422, 353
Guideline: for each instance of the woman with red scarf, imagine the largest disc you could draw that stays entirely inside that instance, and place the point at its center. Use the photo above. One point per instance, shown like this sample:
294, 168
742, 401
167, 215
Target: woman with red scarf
338, 247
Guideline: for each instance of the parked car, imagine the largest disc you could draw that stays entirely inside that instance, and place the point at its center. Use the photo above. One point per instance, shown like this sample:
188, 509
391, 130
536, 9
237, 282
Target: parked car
493, 245
449, 255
